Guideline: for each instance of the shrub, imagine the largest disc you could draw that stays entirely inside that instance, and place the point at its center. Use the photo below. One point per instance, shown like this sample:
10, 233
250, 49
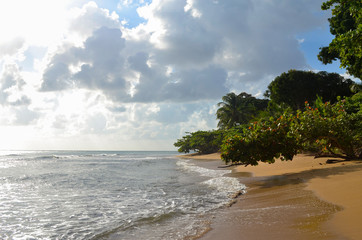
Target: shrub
203, 142
333, 128
261, 141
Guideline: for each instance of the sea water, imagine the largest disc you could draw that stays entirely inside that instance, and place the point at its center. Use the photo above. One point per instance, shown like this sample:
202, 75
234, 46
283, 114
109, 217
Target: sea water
107, 195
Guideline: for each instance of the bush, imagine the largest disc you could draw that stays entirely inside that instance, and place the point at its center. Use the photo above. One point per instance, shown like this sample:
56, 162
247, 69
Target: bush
333, 128
203, 142
261, 141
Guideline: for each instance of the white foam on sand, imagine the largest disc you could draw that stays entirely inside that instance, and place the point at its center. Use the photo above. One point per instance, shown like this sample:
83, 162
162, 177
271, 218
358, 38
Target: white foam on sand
188, 166
228, 186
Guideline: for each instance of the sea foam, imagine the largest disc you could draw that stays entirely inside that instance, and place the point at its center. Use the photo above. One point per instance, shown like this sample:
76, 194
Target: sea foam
227, 186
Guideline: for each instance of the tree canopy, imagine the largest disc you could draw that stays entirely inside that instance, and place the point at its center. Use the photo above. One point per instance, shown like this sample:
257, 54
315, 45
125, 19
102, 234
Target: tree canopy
295, 87
238, 109
346, 26
203, 142
322, 127
335, 129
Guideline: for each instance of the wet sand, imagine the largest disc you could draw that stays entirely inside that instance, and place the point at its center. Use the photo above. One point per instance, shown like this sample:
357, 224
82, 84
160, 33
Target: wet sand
300, 199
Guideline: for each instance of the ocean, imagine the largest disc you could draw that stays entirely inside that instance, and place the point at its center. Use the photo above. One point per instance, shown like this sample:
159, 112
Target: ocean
108, 195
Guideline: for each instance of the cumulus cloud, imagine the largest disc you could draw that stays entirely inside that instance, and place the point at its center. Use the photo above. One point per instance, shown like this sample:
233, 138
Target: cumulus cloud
11, 87
11, 47
155, 78
97, 65
254, 38
211, 47
14, 99
101, 65
90, 17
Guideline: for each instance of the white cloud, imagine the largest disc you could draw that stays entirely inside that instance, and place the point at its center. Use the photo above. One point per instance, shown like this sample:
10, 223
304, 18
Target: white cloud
11, 87
230, 35
11, 47
90, 17
75, 72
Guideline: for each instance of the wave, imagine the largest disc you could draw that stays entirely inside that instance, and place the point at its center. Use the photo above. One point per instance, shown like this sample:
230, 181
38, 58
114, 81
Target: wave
107, 196
158, 227
188, 166
227, 186
143, 221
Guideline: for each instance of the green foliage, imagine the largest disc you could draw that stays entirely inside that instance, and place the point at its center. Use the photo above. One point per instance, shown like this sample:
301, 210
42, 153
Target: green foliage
228, 113
203, 142
261, 142
324, 127
238, 109
295, 87
333, 128
275, 110
346, 26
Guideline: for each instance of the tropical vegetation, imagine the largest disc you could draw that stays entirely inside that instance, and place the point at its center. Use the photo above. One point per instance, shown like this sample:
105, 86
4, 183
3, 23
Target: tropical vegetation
203, 142
333, 129
303, 110
295, 87
346, 26
255, 130
239, 109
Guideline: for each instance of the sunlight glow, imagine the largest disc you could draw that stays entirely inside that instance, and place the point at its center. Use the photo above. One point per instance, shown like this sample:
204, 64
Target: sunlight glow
39, 21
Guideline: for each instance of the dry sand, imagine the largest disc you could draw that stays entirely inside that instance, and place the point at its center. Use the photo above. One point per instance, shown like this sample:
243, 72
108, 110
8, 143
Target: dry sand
300, 199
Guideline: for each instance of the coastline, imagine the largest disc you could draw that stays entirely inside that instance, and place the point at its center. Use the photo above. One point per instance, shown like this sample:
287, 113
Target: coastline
301, 199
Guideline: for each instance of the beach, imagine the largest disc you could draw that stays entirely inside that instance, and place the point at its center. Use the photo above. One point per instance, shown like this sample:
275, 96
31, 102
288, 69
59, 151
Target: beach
306, 198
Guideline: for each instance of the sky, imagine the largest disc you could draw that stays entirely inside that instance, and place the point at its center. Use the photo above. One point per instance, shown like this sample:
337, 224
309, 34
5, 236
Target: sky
138, 74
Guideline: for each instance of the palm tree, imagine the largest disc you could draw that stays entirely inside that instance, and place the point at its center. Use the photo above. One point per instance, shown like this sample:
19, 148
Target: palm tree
228, 111
238, 109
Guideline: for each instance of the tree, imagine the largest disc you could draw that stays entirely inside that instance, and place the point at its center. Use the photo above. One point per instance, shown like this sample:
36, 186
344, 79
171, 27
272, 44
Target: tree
238, 109
261, 141
203, 142
228, 113
346, 26
335, 129
295, 87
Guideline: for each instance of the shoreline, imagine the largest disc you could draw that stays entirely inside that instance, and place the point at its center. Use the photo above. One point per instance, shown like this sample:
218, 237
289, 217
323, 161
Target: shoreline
301, 199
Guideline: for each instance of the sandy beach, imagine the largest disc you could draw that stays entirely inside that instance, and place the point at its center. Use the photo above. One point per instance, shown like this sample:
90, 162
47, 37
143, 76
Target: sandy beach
306, 198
